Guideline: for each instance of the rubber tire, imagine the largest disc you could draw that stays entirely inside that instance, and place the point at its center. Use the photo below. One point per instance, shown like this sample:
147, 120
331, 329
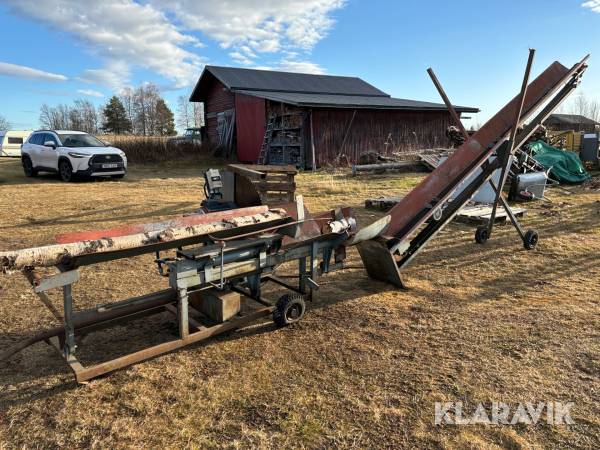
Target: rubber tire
482, 234
28, 167
530, 239
65, 171
289, 309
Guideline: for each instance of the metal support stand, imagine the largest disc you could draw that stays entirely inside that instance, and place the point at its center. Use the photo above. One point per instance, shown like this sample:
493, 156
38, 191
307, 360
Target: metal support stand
183, 313
302, 273
507, 157
69, 346
509, 212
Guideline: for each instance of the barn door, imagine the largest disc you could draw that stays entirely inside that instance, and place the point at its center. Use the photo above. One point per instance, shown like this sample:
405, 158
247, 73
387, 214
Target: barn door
250, 126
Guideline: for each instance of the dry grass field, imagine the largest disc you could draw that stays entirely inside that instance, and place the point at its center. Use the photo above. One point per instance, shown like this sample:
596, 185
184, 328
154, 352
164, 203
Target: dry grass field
363, 368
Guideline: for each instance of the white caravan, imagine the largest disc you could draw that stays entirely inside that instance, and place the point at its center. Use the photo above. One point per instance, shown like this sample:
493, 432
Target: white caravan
11, 142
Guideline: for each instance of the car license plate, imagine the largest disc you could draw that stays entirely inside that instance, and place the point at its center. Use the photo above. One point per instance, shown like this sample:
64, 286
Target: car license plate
110, 166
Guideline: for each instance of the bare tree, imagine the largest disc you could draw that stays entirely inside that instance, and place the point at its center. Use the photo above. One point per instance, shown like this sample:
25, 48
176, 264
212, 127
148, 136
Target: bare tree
54, 118
126, 98
81, 116
184, 113
88, 115
198, 114
4, 124
145, 99
45, 116
583, 105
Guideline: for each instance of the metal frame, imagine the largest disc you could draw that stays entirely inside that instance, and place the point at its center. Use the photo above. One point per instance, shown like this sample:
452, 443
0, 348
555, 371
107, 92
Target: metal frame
242, 265
407, 232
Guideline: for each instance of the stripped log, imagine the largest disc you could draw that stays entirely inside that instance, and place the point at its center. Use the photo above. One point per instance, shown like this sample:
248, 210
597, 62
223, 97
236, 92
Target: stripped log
52, 255
179, 222
384, 167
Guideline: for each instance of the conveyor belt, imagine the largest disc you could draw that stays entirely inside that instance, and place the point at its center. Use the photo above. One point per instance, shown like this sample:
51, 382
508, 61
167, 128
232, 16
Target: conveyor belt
392, 249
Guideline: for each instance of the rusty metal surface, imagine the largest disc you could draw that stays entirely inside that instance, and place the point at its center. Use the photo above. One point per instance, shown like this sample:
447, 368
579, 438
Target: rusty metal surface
413, 210
379, 262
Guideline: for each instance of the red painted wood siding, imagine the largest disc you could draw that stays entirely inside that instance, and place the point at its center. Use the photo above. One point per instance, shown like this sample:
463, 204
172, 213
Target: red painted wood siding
410, 130
218, 99
250, 117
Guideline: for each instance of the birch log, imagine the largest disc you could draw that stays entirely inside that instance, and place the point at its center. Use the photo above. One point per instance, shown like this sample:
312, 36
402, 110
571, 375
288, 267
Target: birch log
51, 255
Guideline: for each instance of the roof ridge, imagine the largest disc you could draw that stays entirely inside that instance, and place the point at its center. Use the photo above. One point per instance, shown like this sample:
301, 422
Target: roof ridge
286, 72
234, 88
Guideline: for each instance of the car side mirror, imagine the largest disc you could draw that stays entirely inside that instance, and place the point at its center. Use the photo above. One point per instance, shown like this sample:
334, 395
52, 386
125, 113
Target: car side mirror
50, 144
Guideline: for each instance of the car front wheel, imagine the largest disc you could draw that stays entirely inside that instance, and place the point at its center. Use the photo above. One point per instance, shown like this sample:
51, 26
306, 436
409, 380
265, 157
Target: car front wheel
28, 168
65, 171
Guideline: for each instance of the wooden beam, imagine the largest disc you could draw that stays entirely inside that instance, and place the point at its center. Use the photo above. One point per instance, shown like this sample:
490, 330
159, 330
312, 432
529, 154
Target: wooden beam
247, 171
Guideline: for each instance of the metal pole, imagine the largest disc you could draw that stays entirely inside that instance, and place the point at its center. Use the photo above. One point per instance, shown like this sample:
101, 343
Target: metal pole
451, 109
302, 274
460, 126
507, 160
70, 347
182, 312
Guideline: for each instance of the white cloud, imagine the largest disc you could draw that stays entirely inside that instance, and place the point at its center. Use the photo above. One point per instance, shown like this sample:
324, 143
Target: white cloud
13, 70
90, 92
115, 75
300, 66
121, 31
240, 58
257, 26
294, 66
594, 5
156, 34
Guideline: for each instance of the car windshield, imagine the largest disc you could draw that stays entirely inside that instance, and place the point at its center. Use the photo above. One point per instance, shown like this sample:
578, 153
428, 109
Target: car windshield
80, 140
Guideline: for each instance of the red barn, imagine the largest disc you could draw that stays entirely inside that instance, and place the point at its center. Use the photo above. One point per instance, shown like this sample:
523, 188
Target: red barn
295, 117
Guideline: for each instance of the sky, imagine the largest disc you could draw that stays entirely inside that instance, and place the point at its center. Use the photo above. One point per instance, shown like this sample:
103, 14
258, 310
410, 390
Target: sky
55, 51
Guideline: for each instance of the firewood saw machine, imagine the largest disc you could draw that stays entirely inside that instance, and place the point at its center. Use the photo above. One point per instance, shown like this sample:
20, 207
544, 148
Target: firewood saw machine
223, 254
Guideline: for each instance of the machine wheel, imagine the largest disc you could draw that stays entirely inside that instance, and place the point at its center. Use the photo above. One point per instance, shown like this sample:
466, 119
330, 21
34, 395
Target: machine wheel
28, 167
289, 309
530, 239
65, 170
482, 234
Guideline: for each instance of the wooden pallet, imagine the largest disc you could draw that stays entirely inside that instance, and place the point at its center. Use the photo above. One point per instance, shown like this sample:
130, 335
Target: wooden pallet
468, 214
432, 160
274, 184
481, 214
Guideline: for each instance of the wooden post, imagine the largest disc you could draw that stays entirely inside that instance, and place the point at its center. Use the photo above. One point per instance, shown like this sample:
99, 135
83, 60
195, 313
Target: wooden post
312, 143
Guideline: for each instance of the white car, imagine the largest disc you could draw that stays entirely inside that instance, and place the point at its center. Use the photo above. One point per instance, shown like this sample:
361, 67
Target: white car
71, 154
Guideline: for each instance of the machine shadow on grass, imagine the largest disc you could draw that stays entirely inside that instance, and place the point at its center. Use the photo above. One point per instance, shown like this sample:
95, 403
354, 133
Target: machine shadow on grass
138, 334
84, 217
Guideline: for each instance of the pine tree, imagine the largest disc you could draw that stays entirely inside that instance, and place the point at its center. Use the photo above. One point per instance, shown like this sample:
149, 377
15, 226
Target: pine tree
165, 121
115, 117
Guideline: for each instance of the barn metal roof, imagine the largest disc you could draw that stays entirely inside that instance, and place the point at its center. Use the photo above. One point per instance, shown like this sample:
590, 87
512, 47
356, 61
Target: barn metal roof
310, 90
270, 80
351, 101
571, 119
